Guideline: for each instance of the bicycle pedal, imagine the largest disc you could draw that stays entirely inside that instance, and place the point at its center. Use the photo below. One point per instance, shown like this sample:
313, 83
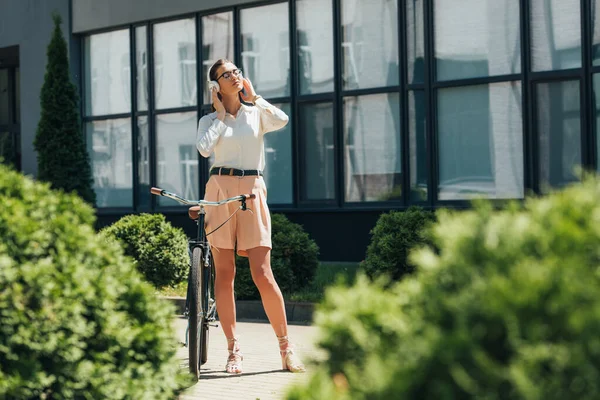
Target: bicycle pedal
214, 326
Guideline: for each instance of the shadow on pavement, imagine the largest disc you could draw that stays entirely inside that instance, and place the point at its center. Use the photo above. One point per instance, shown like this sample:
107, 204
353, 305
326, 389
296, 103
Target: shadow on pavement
224, 375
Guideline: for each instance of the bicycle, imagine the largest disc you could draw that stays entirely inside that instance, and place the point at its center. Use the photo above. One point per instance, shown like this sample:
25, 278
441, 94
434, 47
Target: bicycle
200, 307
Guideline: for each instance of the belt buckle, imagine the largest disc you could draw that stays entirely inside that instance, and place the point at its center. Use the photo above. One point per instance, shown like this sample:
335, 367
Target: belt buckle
243, 173
220, 168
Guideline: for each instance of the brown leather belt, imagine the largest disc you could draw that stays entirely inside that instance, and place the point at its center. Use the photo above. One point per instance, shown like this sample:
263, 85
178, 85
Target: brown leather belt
222, 171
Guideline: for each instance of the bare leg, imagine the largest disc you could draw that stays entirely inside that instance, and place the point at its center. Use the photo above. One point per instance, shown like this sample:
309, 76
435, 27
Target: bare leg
224, 278
272, 299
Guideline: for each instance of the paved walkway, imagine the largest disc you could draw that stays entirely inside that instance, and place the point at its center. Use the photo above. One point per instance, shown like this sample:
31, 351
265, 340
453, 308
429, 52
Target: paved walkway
262, 378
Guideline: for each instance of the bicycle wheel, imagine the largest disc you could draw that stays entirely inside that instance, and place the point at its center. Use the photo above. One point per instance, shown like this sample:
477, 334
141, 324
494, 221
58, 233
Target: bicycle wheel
195, 322
205, 296
205, 293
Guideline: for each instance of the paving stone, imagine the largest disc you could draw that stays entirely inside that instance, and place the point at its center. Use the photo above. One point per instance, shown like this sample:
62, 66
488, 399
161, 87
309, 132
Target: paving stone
262, 376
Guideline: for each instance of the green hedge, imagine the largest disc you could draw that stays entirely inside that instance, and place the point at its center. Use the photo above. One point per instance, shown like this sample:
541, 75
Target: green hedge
77, 321
294, 260
160, 251
507, 307
394, 235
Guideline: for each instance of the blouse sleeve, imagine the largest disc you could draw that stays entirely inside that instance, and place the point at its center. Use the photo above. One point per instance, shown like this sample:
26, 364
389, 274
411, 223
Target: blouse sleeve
209, 133
271, 117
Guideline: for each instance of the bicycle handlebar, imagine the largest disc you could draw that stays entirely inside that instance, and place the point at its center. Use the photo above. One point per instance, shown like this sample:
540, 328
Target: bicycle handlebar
161, 192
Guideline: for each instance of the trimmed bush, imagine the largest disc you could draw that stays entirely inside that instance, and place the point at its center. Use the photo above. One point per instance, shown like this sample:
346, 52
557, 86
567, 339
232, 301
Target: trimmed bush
160, 251
507, 307
77, 319
294, 260
394, 235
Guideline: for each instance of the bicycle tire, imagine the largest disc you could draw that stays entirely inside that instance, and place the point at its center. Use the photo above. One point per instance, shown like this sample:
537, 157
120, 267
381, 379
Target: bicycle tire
194, 312
205, 293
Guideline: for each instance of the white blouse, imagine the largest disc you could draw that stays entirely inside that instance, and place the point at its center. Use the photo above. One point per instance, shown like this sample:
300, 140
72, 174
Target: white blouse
238, 141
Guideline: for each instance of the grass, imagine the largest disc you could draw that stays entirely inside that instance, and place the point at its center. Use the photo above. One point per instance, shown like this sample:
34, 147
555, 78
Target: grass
328, 273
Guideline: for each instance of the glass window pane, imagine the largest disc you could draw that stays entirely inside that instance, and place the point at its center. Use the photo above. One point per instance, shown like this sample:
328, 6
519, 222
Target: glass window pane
143, 160
477, 38
417, 136
318, 152
266, 48
370, 43
177, 156
217, 42
315, 45
555, 34
559, 132
175, 64
107, 73
596, 32
480, 137
278, 162
109, 147
141, 61
372, 148
415, 40
5, 117
18, 95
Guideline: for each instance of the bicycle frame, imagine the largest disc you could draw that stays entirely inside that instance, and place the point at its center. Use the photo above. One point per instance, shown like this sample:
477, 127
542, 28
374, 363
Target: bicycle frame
206, 310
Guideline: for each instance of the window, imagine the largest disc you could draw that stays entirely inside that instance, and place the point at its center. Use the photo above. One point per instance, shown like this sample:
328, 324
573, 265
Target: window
175, 64
415, 41
107, 73
217, 42
372, 148
595, 7
177, 156
476, 38
141, 61
370, 44
559, 132
317, 152
5, 90
266, 49
315, 45
419, 167
108, 137
278, 162
480, 142
143, 161
555, 34
109, 147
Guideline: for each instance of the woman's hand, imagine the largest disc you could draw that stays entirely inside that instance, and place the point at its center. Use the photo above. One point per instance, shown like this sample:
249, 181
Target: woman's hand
250, 92
218, 105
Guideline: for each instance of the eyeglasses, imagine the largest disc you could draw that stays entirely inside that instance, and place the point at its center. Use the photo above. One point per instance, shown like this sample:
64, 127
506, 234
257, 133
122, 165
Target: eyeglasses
229, 74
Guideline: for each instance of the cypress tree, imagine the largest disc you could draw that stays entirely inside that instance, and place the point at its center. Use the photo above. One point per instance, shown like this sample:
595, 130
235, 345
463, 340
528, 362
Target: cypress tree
63, 160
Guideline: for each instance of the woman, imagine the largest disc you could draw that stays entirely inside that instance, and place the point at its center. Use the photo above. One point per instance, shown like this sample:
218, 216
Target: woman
234, 131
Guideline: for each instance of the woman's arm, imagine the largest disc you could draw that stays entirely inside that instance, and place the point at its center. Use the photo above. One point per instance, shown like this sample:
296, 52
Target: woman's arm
271, 117
209, 130
209, 133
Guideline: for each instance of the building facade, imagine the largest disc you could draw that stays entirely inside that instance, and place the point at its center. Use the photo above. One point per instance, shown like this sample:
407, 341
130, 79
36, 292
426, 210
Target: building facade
392, 103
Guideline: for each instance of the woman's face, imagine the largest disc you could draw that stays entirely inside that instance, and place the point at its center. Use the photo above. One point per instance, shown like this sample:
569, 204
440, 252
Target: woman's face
230, 79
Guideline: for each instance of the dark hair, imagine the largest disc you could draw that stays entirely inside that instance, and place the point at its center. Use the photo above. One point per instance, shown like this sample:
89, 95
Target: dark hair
212, 74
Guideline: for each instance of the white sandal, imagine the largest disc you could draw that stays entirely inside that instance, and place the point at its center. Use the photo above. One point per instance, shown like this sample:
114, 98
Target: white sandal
289, 360
235, 359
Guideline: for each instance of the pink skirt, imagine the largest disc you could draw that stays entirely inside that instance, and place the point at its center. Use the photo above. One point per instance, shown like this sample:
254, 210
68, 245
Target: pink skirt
247, 229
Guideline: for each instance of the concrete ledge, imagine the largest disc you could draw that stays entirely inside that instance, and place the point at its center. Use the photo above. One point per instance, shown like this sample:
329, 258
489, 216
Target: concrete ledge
252, 310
